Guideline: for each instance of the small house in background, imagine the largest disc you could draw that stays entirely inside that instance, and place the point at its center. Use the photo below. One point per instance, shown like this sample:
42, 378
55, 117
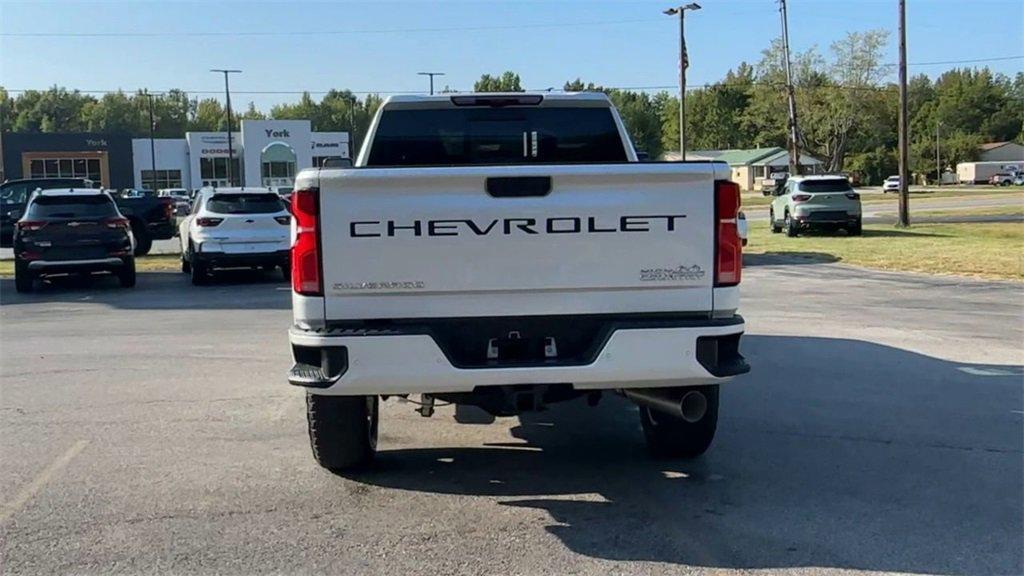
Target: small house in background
751, 167
1001, 152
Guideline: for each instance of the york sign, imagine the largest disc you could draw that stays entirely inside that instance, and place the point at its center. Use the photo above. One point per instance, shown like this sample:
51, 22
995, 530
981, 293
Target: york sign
277, 133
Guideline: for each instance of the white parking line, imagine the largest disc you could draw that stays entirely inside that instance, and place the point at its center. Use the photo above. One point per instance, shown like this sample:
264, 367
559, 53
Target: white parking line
990, 371
44, 477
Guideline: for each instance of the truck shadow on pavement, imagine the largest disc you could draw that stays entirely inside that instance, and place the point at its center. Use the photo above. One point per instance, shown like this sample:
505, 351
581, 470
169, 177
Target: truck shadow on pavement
228, 289
832, 453
783, 258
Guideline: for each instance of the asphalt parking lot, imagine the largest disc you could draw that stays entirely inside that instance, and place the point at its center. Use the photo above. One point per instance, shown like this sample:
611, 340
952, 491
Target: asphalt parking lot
152, 431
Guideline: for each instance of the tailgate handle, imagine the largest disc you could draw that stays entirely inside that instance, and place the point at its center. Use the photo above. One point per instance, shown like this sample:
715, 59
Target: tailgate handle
518, 186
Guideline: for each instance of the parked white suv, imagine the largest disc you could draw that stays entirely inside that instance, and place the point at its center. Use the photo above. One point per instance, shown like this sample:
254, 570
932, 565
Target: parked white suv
891, 184
233, 228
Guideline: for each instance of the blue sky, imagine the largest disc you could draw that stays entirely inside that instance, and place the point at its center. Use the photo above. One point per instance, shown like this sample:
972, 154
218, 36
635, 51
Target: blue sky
381, 45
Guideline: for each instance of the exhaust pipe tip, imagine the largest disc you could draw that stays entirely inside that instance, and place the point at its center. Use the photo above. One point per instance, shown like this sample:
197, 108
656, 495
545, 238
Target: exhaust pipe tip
693, 406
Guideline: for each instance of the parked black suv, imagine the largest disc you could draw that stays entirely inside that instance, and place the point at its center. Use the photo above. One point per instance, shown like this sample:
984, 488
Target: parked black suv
72, 231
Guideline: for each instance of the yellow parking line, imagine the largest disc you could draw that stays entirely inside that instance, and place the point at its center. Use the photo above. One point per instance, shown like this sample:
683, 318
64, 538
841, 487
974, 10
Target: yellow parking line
44, 477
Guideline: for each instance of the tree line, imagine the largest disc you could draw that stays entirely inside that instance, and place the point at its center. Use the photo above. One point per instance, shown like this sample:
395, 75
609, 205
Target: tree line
847, 110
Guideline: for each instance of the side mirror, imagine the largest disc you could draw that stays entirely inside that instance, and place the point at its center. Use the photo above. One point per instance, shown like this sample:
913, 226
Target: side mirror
336, 162
642, 156
767, 192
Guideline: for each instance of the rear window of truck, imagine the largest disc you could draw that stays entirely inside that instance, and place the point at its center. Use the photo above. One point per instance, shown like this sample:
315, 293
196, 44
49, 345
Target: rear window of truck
244, 204
461, 136
85, 206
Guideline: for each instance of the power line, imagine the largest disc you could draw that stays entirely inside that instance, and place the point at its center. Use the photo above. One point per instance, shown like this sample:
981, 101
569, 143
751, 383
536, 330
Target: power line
996, 59
136, 34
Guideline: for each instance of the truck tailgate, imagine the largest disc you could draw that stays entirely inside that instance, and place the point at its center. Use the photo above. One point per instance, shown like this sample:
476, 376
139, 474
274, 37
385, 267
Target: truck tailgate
517, 240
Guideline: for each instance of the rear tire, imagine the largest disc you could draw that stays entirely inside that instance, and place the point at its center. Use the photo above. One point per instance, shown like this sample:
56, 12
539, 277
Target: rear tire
200, 275
671, 437
23, 278
771, 222
342, 430
856, 229
790, 225
143, 241
127, 273
186, 267
286, 272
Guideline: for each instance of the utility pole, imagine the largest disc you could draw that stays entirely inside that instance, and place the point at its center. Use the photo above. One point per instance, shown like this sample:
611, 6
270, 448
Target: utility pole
431, 74
152, 144
904, 207
684, 63
938, 158
351, 126
793, 138
227, 98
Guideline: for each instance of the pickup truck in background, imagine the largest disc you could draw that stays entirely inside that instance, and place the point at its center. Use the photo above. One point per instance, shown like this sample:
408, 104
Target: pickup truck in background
151, 218
508, 251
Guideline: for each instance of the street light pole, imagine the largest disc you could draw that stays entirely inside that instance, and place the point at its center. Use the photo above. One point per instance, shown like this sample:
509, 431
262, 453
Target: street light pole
431, 74
227, 98
684, 63
152, 144
938, 158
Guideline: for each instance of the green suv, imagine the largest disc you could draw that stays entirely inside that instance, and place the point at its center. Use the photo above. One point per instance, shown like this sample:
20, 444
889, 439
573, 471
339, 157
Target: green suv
815, 202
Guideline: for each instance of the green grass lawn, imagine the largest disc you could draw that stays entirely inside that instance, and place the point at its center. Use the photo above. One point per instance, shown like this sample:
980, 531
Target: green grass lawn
979, 211
989, 250
154, 263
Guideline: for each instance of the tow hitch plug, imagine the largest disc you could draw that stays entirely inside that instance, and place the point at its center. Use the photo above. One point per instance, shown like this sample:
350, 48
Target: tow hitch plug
426, 408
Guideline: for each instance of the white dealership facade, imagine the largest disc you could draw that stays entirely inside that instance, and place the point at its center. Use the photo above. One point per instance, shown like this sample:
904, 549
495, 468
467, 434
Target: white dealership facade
265, 153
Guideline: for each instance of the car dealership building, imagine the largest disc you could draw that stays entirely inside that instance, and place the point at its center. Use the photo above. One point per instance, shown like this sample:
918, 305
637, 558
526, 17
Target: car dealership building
264, 153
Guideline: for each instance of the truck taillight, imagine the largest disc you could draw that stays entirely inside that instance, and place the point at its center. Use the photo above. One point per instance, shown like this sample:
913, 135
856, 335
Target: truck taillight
728, 244
306, 276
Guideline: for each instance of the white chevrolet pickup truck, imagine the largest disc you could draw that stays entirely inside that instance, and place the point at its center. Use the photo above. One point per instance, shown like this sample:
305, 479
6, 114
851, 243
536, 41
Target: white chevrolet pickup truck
508, 251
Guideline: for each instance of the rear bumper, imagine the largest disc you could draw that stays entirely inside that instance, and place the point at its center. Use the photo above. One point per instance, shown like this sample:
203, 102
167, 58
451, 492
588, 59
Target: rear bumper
91, 265
372, 363
826, 218
230, 260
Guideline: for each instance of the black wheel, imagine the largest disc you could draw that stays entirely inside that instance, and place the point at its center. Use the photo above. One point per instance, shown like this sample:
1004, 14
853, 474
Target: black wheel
855, 229
790, 225
200, 275
143, 241
286, 271
127, 273
23, 278
771, 223
342, 430
185, 266
672, 437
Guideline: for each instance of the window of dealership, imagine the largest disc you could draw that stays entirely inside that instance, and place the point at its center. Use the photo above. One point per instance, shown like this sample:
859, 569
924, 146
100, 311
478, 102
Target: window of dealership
163, 179
214, 171
65, 168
